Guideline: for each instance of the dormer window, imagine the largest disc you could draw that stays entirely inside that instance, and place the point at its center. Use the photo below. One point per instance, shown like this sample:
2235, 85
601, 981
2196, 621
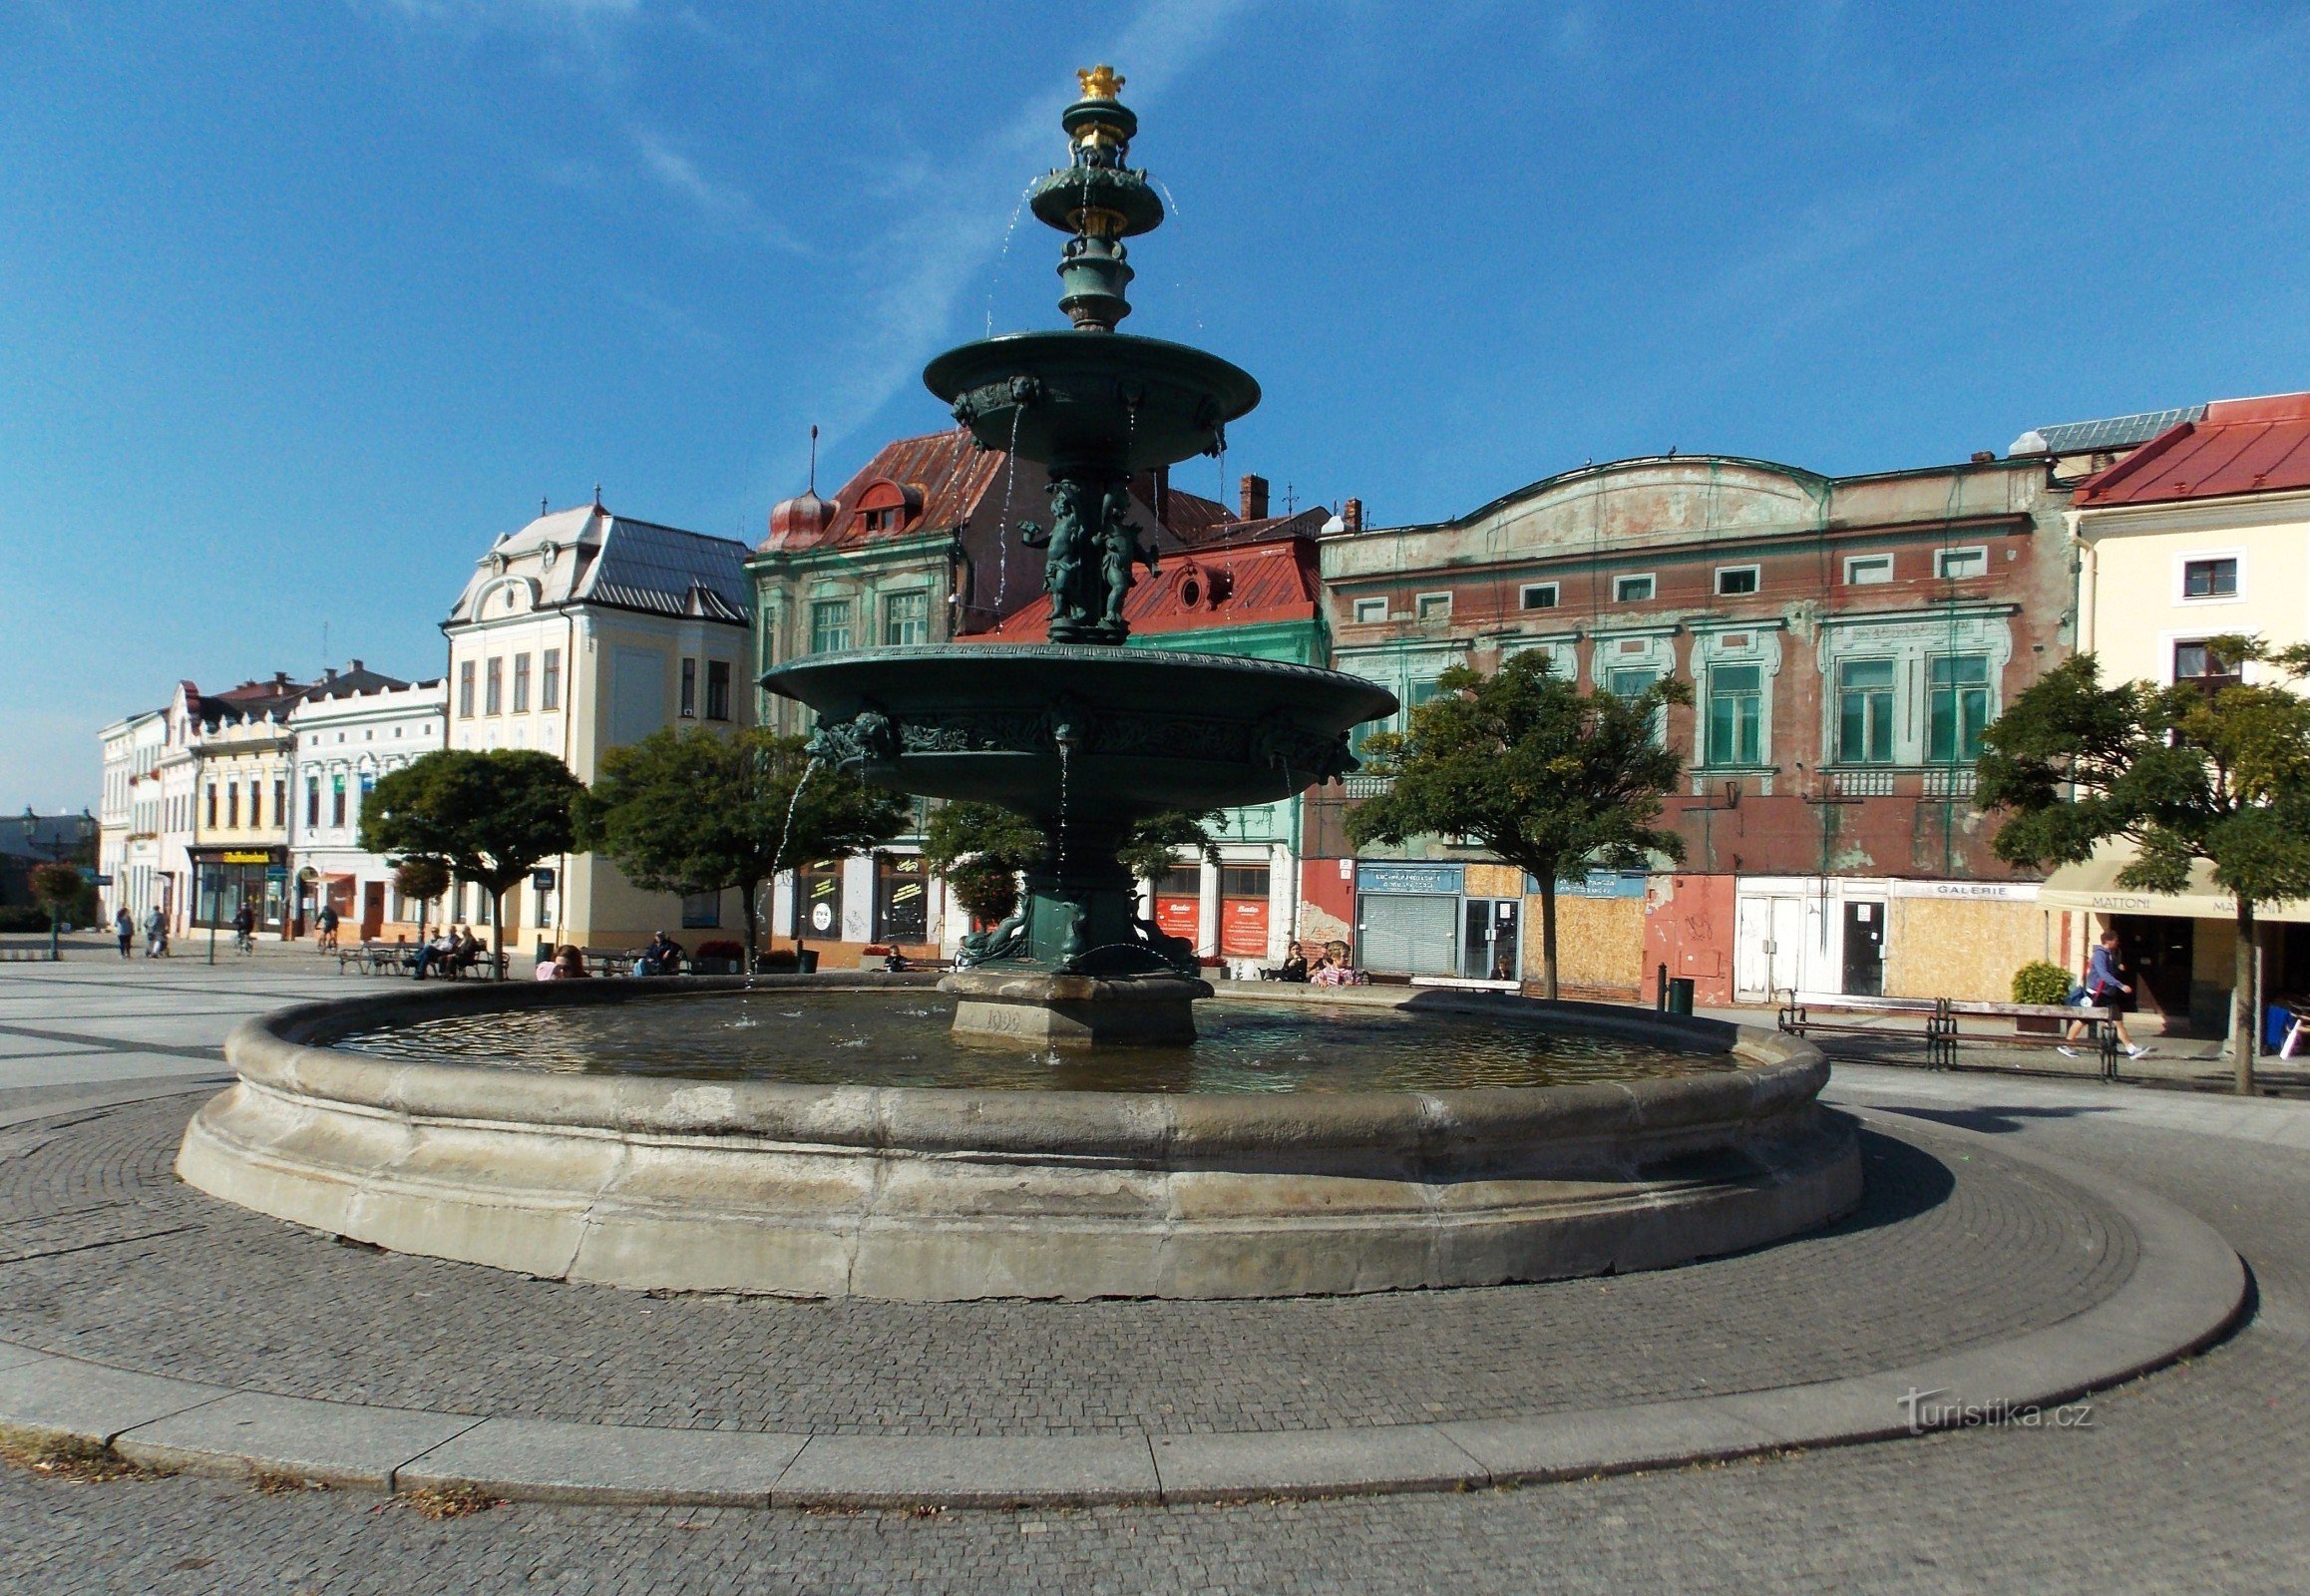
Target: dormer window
887, 506
883, 518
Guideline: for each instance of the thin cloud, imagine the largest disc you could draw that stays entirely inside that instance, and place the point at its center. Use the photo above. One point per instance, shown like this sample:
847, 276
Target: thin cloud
722, 202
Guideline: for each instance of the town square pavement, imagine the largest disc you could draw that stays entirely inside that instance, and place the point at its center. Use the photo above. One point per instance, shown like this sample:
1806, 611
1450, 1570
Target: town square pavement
2190, 1478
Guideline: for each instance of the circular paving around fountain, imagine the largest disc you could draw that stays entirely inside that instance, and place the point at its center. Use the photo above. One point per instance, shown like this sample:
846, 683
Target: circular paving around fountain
195, 1333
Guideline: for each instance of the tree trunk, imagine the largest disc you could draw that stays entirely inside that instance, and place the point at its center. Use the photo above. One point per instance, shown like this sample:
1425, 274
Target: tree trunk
2246, 1015
1548, 936
498, 933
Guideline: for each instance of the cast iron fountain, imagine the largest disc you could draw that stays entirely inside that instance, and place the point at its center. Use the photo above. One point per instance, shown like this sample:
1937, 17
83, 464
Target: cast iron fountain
1082, 735
823, 1135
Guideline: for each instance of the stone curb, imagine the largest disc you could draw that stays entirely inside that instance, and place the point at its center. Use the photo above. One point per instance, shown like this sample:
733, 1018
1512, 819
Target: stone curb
2187, 1290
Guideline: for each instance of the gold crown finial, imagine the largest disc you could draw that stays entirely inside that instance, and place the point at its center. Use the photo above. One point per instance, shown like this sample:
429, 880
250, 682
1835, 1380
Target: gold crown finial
1099, 82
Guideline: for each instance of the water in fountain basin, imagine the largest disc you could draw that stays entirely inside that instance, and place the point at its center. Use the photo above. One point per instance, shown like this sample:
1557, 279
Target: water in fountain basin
903, 1040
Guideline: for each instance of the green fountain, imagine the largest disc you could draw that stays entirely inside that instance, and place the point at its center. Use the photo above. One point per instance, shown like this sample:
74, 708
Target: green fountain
1080, 735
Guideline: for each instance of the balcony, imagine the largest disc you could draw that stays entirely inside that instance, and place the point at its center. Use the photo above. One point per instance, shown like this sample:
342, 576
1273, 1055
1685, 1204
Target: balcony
1366, 786
1884, 781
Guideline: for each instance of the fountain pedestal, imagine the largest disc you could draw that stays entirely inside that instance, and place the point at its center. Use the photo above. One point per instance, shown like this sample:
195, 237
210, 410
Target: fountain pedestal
1040, 1009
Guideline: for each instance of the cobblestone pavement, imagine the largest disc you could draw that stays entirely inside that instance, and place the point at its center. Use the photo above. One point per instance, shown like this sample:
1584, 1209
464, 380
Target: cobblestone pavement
2188, 1480
105, 1255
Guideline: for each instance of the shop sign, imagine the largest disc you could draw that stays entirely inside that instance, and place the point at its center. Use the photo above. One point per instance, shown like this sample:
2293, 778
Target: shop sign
1596, 884
1179, 916
1411, 878
2006, 892
245, 857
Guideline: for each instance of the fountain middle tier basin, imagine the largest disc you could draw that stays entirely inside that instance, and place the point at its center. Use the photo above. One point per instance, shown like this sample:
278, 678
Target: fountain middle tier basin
1093, 398
1263, 1162
1144, 731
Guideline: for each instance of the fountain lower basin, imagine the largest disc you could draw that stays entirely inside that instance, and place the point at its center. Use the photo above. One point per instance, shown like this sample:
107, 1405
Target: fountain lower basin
921, 1194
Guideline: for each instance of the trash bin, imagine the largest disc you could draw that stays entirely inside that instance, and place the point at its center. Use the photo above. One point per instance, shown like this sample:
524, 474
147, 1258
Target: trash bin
1681, 994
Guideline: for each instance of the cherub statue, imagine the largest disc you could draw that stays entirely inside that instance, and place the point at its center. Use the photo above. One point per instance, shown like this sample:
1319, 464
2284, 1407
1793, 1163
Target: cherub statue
1120, 550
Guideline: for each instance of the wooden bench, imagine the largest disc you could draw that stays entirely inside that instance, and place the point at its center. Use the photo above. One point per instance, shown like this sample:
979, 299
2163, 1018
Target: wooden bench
1939, 1016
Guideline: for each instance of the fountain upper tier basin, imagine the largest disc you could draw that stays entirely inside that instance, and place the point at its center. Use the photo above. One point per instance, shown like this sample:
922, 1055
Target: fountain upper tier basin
1146, 732
1104, 399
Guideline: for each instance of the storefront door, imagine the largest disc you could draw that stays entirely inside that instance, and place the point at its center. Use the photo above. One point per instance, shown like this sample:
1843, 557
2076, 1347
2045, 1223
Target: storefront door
1489, 947
1864, 949
2157, 952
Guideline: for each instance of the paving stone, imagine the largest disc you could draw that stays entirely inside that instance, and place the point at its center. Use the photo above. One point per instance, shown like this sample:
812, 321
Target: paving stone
544, 1460
334, 1443
1567, 1446
989, 1472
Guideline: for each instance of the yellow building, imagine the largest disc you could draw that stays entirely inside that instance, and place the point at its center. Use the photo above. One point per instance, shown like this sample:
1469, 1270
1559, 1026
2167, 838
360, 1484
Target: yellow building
2204, 531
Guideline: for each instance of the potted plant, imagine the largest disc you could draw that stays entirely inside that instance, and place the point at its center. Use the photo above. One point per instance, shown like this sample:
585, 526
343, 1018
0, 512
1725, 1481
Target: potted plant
2042, 982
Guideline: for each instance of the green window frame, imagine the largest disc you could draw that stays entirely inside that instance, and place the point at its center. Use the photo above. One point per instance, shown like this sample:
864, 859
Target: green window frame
907, 618
1958, 700
828, 625
1865, 712
1736, 715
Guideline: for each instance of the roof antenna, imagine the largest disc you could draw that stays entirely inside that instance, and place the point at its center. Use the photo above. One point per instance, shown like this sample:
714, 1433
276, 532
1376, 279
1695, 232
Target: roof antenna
813, 488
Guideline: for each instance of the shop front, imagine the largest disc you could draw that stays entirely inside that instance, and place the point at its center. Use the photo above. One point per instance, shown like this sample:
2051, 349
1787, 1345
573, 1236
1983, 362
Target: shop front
1409, 917
225, 878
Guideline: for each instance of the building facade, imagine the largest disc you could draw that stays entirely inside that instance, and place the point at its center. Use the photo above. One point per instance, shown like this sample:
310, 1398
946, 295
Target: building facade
129, 814
1845, 640
581, 633
346, 734
2204, 532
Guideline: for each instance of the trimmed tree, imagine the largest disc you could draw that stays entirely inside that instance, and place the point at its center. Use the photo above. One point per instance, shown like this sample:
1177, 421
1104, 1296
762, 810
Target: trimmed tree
2189, 774
979, 850
705, 810
57, 885
1539, 774
424, 880
491, 816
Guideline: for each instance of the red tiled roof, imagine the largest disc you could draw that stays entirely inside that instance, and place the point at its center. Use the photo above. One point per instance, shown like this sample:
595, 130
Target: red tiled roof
943, 468
2241, 446
1257, 582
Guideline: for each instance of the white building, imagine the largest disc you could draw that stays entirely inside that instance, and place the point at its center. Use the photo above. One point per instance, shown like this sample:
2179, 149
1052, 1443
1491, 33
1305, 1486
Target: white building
349, 732
581, 633
128, 816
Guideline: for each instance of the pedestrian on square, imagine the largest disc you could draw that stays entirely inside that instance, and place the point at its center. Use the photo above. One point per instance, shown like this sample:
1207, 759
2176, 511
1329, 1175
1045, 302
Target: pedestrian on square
123, 928
468, 949
326, 924
2106, 988
244, 927
155, 934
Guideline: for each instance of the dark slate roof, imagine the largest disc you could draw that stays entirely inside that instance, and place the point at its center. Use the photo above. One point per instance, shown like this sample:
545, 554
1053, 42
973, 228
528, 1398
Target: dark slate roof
31, 836
668, 572
2109, 433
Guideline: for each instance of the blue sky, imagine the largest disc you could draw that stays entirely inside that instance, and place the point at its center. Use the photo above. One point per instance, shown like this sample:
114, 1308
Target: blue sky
302, 304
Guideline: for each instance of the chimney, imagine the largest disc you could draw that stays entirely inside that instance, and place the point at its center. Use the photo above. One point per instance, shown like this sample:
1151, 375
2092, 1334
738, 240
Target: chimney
1353, 514
280, 678
357, 667
328, 672
1255, 498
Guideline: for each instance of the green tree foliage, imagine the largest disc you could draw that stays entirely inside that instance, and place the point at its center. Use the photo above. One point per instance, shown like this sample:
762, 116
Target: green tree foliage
488, 817
2039, 982
1151, 845
2187, 775
979, 850
1538, 773
424, 879
704, 810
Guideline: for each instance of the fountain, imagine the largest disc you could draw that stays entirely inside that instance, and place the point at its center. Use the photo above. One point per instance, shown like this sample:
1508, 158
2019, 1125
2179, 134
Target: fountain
1081, 735
875, 1136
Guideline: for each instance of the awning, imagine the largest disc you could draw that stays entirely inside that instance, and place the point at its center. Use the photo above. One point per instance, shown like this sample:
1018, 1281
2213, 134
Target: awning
2093, 886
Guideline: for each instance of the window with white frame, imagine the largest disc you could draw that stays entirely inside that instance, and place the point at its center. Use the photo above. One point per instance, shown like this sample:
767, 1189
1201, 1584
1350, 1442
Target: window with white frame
1865, 712
1370, 610
1433, 606
1736, 715
1632, 589
1955, 564
1733, 580
1868, 571
2213, 578
1537, 596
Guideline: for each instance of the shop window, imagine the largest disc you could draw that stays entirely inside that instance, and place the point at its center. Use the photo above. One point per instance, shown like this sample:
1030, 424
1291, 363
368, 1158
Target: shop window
1958, 700
1178, 902
701, 910
1865, 712
1956, 565
828, 625
1736, 715
1868, 571
1632, 589
902, 899
818, 900
520, 685
1732, 580
689, 698
549, 683
907, 618
2210, 578
717, 690
1537, 596
1243, 911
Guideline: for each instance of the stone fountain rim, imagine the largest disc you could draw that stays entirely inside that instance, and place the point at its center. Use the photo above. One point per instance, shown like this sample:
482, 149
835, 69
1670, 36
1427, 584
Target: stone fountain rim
287, 1052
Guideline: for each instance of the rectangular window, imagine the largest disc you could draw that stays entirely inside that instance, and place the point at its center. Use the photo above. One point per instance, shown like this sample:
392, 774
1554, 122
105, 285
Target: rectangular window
1732, 580
494, 689
818, 900
1368, 610
520, 685
1433, 606
2210, 578
465, 689
1735, 714
689, 710
1537, 596
233, 806
902, 902
1422, 692
280, 803
1958, 707
312, 800
907, 618
1865, 712
1958, 563
550, 688
717, 690
1868, 571
337, 800
2195, 664
1632, 589
828, 625
701, 910
1631, 681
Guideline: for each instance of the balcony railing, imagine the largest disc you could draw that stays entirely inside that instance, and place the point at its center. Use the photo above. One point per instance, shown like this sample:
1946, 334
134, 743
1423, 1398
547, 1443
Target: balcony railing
1882, 781
1366, 786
